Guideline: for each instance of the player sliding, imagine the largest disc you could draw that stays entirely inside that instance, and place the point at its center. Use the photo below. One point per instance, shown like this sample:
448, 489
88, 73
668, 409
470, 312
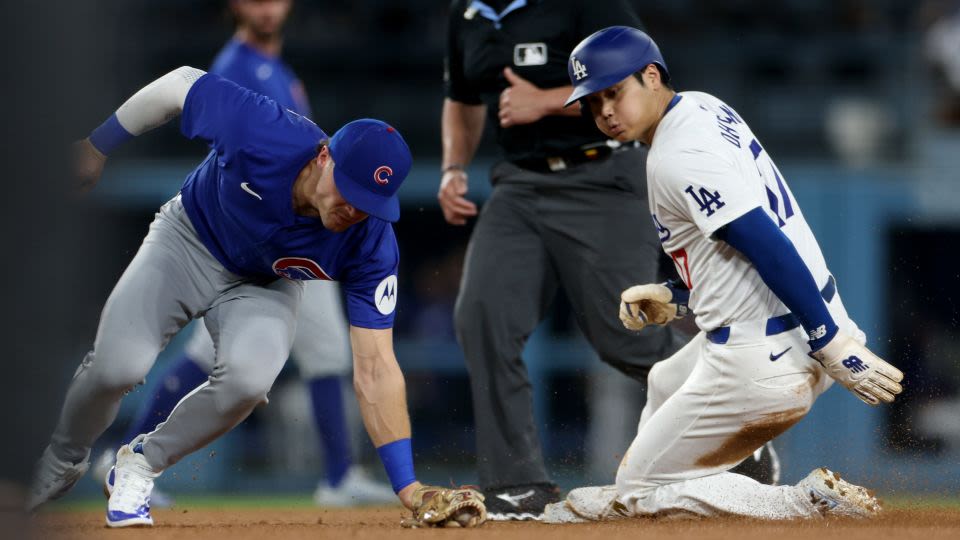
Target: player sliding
275, 202
753, 274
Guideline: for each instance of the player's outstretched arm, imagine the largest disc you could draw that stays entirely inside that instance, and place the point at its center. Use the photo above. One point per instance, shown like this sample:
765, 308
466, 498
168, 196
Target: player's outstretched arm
152, 106
381, 393
869, 377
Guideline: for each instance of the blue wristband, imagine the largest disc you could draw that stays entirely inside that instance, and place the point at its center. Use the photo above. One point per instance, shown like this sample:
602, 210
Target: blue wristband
397, 458
109, 135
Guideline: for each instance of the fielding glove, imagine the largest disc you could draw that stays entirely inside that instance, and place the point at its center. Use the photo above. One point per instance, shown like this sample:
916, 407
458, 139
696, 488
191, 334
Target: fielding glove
446, 507
865, 374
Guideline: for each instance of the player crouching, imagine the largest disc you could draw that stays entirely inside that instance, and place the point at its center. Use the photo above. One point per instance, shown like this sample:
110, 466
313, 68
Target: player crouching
753, 274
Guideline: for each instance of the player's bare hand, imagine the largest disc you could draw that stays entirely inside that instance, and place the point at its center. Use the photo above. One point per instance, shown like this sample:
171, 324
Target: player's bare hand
868, 376
456, 208
521, 103
88, 164
641, 305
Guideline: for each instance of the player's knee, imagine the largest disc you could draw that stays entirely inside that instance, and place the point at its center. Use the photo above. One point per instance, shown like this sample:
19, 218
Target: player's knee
243, 390
119, 370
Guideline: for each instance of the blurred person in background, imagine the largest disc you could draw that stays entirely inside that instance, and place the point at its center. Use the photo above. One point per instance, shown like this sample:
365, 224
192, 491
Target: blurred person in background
568, 209
252, 59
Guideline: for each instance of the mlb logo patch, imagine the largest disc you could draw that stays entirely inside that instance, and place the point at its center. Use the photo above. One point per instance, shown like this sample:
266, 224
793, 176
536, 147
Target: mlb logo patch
530, 54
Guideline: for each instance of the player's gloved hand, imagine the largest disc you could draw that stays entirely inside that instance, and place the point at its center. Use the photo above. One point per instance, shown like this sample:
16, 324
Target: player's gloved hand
865, 374
653, 303
435, 506
88, 164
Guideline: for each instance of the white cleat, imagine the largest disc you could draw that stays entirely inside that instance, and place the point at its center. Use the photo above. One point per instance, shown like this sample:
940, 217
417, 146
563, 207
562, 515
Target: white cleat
129, 504
559, 512
53, 478
597, 503
356, 489
103, 468
834, 496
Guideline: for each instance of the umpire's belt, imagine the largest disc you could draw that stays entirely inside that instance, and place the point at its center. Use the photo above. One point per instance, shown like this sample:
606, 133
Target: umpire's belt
778, 324
572, 157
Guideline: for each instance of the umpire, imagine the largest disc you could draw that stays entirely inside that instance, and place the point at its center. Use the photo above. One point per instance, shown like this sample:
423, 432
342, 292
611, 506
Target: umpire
568, 209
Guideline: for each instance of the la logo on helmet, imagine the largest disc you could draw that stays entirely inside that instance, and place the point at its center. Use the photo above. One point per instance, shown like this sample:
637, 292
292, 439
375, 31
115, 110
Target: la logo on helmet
579, 69
382, 175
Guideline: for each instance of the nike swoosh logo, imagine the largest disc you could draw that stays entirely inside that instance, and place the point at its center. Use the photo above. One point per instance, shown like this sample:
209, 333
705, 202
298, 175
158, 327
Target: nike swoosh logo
515, 499
246, 187
775, 357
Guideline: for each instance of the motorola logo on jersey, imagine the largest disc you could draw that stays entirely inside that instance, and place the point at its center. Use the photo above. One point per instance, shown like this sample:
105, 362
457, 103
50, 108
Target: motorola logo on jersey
382, 175
299, 268
385, 297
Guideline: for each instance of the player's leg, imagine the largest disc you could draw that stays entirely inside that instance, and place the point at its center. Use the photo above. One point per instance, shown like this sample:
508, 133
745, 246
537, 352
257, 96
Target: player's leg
734, 401
182, 375
321, 350
253, 327
157, 294
506, 287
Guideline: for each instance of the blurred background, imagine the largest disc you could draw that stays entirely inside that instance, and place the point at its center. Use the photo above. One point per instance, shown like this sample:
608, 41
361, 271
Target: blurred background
857, 100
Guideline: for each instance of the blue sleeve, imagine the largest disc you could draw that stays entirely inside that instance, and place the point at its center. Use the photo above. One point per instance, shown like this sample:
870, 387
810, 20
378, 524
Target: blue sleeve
370, 284
220, 112
776, 259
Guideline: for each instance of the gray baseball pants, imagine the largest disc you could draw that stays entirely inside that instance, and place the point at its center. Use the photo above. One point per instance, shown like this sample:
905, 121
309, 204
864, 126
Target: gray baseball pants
586, 230
171, 280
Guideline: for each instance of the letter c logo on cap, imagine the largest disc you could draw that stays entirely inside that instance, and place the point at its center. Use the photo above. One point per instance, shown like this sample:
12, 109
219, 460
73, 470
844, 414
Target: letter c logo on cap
382, 175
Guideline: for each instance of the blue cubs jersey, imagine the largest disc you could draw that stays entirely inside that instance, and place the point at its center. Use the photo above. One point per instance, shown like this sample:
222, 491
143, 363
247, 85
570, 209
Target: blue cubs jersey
263, 74
240, 202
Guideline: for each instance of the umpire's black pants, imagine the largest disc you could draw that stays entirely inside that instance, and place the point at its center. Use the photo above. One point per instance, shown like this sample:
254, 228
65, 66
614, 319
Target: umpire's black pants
586, 229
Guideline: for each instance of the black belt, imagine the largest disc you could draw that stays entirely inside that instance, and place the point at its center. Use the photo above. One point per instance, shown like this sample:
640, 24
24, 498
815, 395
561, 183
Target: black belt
779, 324
572, 157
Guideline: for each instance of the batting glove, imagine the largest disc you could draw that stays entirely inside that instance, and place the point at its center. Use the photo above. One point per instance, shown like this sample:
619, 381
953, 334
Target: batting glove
653, 303
868, 376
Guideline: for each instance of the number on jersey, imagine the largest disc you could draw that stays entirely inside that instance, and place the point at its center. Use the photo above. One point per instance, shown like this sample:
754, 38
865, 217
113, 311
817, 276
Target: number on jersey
779, 201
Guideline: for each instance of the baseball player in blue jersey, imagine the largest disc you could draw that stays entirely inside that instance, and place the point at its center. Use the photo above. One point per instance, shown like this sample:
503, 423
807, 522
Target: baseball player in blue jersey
774, 331
274, 203
252, 60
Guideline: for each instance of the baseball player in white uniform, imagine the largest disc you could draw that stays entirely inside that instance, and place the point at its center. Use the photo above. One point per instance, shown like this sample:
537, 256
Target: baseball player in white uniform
774, 332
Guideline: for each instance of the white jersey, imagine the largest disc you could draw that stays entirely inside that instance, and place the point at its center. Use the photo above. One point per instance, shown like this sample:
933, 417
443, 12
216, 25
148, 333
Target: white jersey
705, 169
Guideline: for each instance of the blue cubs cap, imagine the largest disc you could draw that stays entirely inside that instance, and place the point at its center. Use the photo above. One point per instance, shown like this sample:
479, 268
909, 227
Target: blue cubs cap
371, 160
609, 56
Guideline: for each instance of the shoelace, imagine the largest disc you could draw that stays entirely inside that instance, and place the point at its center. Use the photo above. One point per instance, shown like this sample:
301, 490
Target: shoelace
131, 490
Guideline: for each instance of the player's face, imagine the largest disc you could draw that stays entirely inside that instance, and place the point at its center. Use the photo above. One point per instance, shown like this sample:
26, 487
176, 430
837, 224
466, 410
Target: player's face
264, 18
335, 212
627, 110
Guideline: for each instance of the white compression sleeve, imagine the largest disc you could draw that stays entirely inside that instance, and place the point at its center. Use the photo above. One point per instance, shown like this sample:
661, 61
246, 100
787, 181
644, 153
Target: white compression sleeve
158, 102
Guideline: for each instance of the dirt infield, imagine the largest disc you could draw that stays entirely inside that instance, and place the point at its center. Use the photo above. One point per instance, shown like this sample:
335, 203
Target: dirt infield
383, 524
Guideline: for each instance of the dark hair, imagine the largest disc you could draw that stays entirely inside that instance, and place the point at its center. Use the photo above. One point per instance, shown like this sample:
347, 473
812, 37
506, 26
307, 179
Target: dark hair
322, 143
639, 76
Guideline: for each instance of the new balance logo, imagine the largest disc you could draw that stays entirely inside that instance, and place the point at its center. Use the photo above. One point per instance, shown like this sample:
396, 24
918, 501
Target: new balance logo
706, 200
514, 500
579, 70
855, 364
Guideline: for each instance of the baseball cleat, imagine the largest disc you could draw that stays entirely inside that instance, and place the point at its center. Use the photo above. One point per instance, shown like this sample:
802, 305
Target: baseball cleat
53, 478
132, 481
103, 468
356, 489
560, 512
831, 495
520, 503
597, 503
